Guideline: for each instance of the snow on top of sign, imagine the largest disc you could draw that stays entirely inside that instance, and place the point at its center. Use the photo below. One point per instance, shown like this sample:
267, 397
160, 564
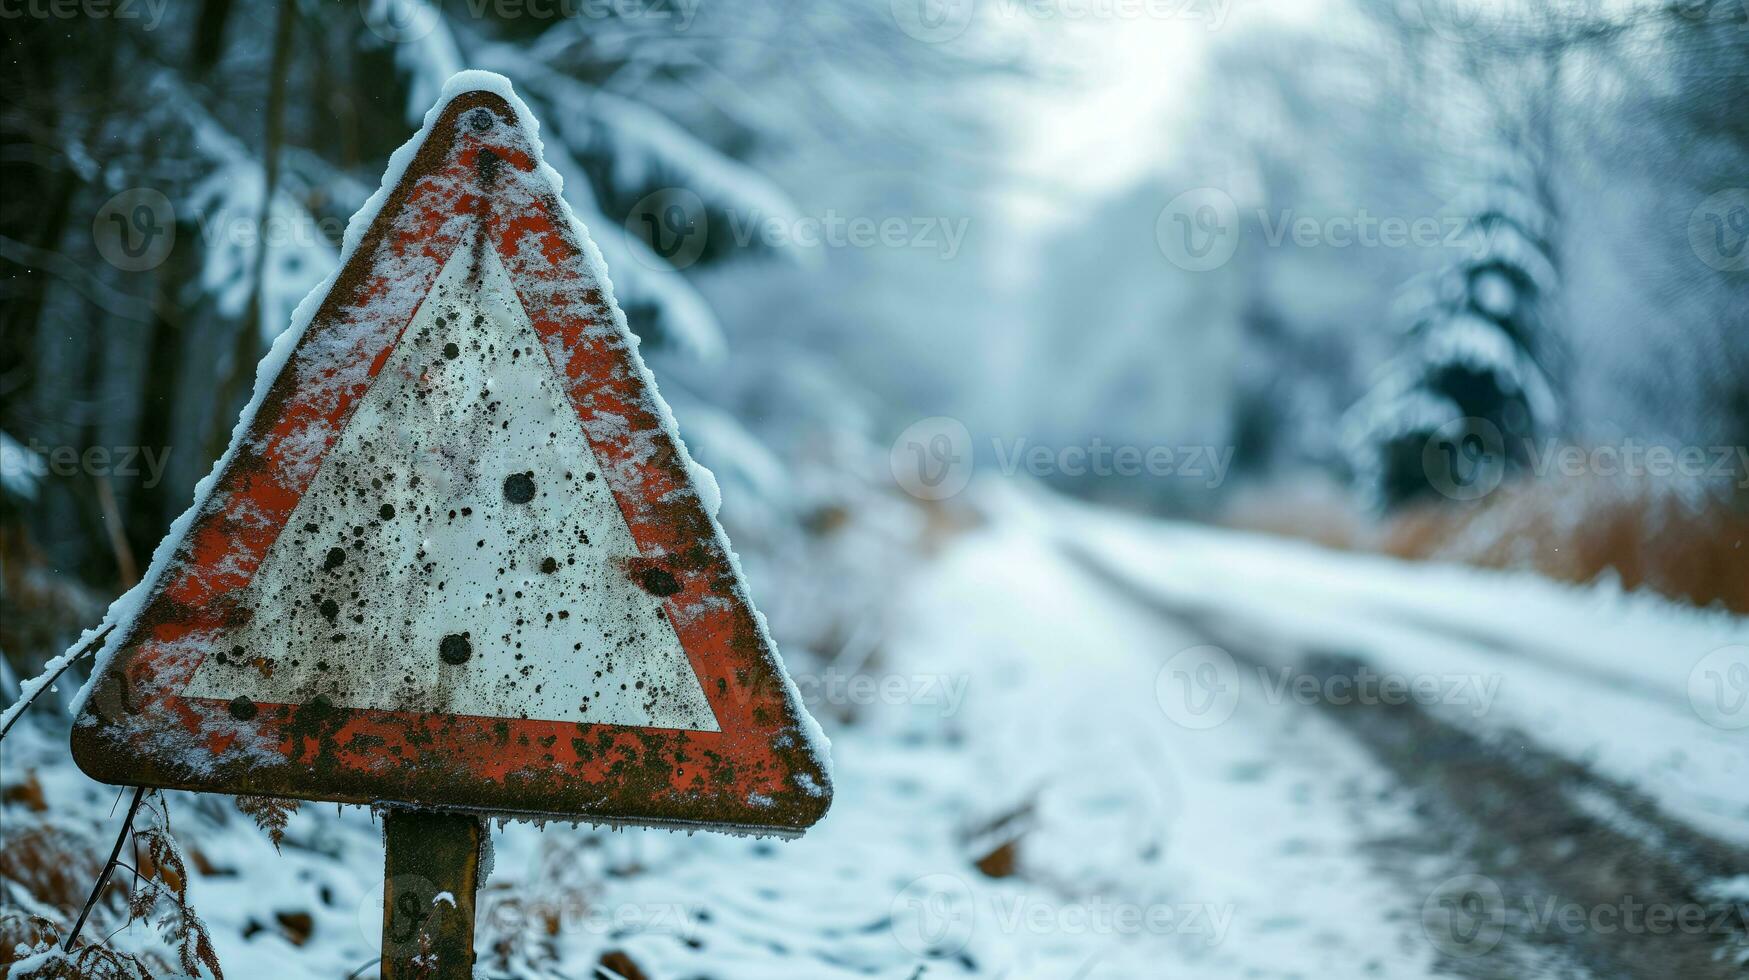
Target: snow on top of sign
126, 609
28, 691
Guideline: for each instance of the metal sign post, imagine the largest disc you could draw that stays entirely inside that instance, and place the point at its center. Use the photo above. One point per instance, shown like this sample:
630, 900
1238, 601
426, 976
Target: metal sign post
431, 870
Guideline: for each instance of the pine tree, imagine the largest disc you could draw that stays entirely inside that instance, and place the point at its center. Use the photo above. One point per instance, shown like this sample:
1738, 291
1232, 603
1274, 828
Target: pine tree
1473, 385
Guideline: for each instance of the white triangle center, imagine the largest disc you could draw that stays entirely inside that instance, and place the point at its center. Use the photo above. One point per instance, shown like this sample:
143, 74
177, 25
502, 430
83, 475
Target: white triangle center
458, 551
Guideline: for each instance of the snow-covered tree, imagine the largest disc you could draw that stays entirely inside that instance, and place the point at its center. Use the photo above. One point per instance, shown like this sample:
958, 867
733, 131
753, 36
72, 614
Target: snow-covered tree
242, 134
1472, 386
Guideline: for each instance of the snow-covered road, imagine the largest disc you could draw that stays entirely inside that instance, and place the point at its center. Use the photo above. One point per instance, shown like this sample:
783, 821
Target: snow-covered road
1576, 756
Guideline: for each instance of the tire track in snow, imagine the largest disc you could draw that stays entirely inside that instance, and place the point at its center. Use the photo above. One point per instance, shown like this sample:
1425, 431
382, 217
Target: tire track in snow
1261, 821
1548, 831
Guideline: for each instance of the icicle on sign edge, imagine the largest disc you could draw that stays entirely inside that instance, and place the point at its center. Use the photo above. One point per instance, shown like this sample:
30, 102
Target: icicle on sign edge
765, 771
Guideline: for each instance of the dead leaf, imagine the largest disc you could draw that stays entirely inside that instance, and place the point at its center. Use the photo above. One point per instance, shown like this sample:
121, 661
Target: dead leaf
28, 793
616, 965
1001, 862
297, 926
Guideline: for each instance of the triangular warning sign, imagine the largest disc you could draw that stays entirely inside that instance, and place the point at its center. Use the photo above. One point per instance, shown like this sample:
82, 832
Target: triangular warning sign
454, 556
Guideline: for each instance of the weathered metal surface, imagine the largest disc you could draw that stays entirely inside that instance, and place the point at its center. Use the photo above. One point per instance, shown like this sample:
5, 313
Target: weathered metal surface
318, 704
460, 554
431, 873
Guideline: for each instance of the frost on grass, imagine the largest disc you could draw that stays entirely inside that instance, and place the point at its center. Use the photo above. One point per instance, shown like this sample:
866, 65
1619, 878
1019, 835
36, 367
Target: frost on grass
45, 876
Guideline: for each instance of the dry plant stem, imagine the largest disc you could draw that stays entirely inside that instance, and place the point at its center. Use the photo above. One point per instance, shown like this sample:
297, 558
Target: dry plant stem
125, 566
127, 826
96, 642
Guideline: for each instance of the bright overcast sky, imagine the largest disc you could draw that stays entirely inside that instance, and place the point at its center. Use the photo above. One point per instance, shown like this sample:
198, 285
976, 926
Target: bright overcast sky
1126, 111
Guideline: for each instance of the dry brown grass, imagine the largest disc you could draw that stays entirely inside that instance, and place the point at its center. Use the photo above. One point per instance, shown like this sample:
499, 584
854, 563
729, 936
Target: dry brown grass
41, 610
1671, 538
1309, 509
52, 864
